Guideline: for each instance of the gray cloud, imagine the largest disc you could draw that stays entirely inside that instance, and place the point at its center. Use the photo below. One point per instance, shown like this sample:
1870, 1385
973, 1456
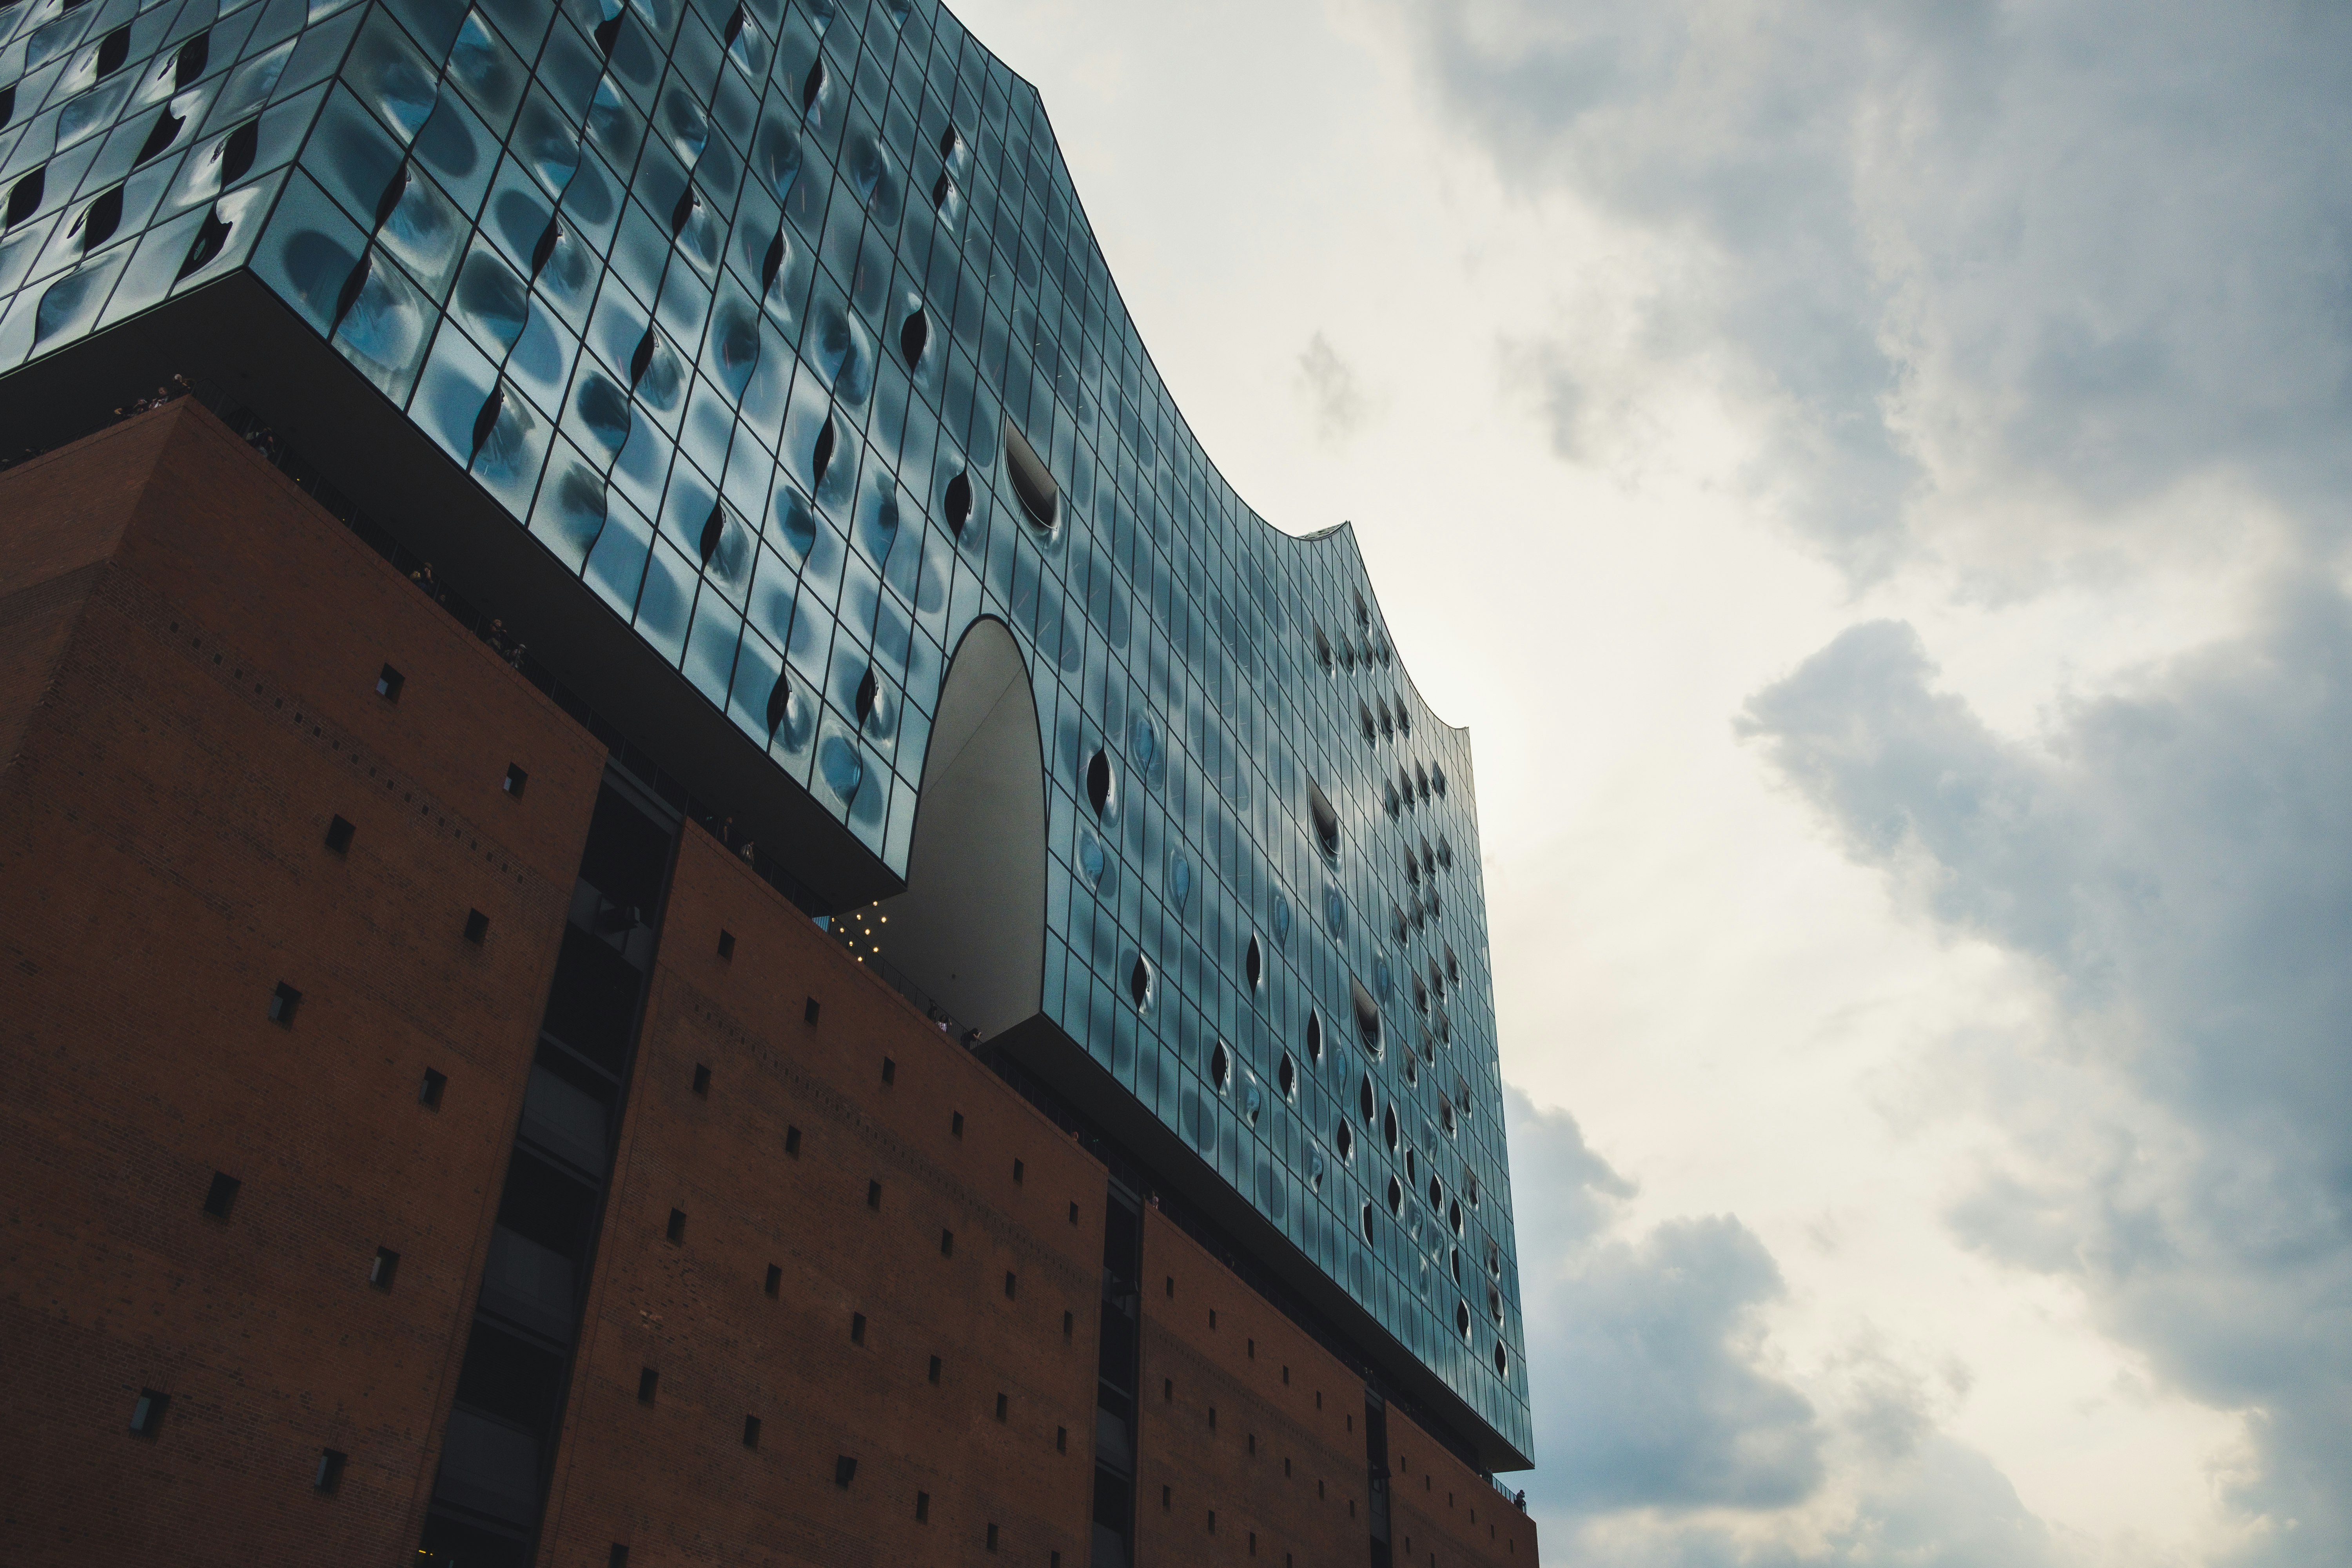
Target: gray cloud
2088, 248
2177, 856
1334, 396
1651, 1393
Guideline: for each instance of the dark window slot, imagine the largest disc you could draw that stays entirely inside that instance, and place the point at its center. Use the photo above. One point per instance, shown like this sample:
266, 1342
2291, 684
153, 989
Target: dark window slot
338, 836
386, 1264
330, 1473
388, 684
147, 1413
428, 1092
221, 1196
282, 1003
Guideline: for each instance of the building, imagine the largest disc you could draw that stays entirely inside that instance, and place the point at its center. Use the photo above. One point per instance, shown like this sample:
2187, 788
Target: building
685, 887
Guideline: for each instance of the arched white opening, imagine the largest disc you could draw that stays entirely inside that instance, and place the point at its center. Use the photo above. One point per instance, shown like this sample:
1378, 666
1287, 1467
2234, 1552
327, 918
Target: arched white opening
970, 927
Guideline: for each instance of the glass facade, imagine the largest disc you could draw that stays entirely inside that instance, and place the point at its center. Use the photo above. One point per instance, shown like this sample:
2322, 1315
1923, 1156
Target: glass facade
781, 326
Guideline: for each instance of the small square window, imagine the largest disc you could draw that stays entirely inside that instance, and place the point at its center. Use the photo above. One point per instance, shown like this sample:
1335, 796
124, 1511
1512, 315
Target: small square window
147, 1415
947, 1244
992, 1537
1018, 1170
648, 1380
1011, 1284
935, 1369
792, 1142
725, 944
330, 1473
386, 1264
1002, 1404
751, 1431
338, 834
388, 683
874, 1194
676, 1231
845, 1471
516, 778
808, 1014
889, 1070
221, 1196
955, 1128
775, 1285
923, 1507
701, 1079
478, 927
282, 1003
428, 1092
858, 1328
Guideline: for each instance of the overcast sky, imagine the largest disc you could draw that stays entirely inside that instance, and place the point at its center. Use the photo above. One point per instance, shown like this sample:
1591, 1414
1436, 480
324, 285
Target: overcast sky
1872, 479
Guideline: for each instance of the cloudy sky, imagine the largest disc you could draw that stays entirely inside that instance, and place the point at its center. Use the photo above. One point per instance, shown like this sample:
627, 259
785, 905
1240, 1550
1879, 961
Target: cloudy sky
1872, 479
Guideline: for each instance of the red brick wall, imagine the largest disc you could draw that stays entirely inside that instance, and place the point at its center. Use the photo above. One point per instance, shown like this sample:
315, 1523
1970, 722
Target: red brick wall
675, 1482
210, 705
1210, 1343
1443, 1511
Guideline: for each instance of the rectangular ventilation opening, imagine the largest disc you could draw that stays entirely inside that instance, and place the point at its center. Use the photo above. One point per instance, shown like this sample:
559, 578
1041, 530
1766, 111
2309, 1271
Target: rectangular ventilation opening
947, 1244
701, 1080
808, 1014
726, 944
648, 1382
676, 1231
751, 1431
845, 1471
874, 1194
889, 1072
776, 1280
1011, 1285
858, 1328
338, 834
955, 1127
792, 1142
221, 1196
1018, 1172
923, 1507
935, 1369
147, 1413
